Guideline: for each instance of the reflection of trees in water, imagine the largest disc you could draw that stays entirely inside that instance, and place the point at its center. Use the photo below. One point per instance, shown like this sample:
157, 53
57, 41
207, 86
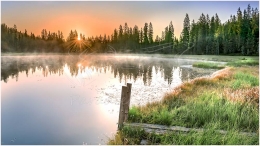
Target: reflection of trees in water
14, 65
122, 68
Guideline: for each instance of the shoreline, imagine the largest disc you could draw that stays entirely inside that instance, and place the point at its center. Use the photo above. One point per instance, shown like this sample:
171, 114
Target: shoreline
203, 102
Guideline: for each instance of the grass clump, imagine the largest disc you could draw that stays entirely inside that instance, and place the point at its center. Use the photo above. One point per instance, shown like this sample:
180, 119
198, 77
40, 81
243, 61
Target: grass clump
134, 114
243, 62
208, 65
128, 136
155, 115
244, 80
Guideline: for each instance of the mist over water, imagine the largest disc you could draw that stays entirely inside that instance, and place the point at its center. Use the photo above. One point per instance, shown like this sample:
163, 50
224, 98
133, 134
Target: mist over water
74, 99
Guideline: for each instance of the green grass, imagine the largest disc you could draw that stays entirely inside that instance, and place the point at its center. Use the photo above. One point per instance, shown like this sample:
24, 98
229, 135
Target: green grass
128, 136
243, 62
244, 80
208, 65
207, 109
159, 116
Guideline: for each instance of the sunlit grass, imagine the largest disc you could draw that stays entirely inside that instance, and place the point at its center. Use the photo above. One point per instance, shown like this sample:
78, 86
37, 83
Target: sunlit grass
244, 80
243, 62
199, 112
208, 65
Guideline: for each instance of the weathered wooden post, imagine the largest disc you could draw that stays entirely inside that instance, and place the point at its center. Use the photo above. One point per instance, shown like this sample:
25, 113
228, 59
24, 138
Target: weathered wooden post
121, 108
124, 104
127, 101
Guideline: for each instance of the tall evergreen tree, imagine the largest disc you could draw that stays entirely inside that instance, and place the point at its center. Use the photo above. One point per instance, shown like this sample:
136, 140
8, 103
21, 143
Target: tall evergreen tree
136, 34
171, 32
166, 34
146, 41
193, 37
202, 33
120, 35
150, 34
126, 32
141, 38
171, 35
186, 32
115, 36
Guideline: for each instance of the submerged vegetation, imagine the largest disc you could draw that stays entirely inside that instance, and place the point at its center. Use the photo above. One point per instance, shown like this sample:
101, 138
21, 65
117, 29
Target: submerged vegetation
228, 100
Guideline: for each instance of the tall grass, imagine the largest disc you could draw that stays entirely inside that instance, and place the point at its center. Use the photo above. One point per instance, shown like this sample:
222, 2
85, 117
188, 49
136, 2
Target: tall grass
202, 111
210, 109
158, 115
244, 80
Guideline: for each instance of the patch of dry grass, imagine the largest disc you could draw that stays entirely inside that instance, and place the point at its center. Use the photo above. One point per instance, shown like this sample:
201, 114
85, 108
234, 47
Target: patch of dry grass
243, 95
220, 83
223, 74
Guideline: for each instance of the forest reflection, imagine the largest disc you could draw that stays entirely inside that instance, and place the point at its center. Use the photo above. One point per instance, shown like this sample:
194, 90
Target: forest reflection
122, 67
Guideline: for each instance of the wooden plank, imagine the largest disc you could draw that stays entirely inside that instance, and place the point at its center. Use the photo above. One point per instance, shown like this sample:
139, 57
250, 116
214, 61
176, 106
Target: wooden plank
162, 129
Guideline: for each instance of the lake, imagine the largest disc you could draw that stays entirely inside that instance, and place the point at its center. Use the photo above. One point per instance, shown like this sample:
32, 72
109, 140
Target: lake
74, 99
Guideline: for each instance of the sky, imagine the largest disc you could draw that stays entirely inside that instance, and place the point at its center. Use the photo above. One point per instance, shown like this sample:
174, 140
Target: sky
94, 18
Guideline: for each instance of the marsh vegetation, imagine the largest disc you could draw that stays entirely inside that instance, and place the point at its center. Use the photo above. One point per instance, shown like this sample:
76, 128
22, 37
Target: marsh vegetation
228, 100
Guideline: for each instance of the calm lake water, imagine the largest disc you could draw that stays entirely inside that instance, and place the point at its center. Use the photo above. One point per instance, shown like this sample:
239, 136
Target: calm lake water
74, 99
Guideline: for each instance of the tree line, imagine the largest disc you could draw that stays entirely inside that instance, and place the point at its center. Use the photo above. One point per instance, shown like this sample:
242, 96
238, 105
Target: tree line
238, 36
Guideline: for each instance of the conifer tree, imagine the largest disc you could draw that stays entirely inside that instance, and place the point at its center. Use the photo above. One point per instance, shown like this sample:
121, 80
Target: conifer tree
146, 41
150, 34
186, 32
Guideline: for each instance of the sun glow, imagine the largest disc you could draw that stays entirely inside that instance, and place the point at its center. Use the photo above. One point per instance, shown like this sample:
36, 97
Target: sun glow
79, 38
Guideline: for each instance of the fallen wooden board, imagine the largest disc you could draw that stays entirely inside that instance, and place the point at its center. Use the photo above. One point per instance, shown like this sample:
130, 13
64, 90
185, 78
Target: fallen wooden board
161, 129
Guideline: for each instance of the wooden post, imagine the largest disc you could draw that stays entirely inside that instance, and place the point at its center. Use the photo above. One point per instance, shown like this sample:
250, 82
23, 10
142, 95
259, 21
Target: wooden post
124, 105
127, 101
121, 110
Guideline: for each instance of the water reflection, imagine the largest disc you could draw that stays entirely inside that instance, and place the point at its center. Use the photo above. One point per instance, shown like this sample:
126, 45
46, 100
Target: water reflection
62, 99
122, 67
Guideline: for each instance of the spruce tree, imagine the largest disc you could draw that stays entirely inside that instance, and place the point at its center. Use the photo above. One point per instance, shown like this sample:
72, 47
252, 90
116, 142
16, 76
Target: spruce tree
150, 34
146, 41
186, 32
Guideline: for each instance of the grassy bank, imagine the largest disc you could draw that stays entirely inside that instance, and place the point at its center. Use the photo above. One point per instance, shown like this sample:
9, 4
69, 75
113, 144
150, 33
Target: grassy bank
236, 62
229, 101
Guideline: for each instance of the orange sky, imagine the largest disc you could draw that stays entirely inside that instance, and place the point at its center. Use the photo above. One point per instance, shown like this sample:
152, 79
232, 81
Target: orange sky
95, 18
